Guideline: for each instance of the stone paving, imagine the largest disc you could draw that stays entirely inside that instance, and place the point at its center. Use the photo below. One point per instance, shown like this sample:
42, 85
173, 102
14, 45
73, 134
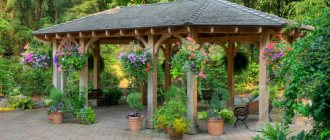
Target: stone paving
111, 125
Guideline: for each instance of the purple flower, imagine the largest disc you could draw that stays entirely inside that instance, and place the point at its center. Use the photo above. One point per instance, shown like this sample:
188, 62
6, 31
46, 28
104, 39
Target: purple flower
144, 58
29, 56
132, 58
43, 57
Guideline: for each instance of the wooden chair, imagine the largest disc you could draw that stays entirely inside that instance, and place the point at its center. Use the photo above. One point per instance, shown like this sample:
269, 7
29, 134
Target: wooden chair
242, 112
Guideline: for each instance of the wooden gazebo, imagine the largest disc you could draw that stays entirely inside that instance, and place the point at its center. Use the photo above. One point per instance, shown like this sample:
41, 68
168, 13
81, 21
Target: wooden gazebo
156, 26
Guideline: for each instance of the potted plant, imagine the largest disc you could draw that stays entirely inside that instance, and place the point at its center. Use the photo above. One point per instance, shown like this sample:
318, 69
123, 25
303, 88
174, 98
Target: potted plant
215, 120
172, 115
173, 93
87, 116
135, 119
56, 106
216, 117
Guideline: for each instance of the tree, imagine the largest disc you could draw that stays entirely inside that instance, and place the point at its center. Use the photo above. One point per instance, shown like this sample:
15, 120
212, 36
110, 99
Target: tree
308, 69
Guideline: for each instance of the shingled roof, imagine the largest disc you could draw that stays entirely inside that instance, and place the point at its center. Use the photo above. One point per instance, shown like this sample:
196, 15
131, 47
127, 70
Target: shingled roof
180, 13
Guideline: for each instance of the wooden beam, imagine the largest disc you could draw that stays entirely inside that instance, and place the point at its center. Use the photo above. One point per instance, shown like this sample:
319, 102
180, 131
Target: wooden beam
83, 35
152, 31
139, 37
47, 37
107, 33
260, 30
94, 34
161, 40
212, 29
58, 36
121, 32
137, 32
236, 30
169, 30
188, 29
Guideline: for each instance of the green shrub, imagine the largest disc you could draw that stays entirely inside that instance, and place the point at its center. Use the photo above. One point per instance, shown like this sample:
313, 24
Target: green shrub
175, 93
56, 96
87, 116
76, 105
272, 132
171, 115
21, 102
134, 101
112, 95
227, 115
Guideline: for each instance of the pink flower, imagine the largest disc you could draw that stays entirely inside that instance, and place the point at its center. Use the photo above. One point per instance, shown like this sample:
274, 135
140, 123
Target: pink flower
180, 78
204, 53
192, 55
201, 74
190, 39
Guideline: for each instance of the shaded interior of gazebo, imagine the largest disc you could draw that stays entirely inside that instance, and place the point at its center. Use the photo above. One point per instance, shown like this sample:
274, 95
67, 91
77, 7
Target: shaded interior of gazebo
157, 26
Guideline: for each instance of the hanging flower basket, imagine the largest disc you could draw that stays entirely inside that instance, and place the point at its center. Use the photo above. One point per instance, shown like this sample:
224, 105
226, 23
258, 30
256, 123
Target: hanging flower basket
35, 57
190, 57
137, 64
274, 52
70, 57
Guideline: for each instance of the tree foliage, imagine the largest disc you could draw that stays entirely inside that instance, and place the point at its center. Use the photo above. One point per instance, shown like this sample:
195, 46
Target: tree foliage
308, 69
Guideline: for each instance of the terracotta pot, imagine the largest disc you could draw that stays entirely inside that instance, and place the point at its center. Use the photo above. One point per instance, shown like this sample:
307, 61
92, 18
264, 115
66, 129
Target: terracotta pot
50, 117
215, 127
174, 135
36, 98
135, 123
164, 129
57, 117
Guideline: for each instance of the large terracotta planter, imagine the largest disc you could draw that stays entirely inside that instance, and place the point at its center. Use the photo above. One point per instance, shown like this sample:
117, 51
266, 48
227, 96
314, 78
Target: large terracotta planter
135, 123
57, 117
174, 135
215, 127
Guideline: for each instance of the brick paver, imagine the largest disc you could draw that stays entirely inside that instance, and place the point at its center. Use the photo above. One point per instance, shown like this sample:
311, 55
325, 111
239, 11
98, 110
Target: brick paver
111, 125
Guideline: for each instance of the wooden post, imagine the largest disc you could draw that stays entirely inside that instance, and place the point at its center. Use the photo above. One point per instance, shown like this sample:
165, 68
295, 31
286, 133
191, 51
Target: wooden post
167, 55
96, 69
263, 84
152, 83
230, 74
56, 73
83, 81
192, 94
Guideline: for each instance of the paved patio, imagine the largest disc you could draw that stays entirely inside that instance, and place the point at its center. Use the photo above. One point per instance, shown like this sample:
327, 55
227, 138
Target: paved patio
111, 125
